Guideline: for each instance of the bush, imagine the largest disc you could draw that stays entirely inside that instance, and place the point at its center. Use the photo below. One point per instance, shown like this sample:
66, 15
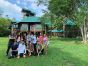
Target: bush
4, 32
4, 26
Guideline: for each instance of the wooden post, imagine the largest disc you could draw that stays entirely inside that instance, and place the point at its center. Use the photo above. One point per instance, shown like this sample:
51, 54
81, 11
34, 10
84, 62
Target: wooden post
63, 29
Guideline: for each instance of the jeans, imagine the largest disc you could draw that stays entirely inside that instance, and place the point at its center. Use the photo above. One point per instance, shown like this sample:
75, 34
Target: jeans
35, 51
8, 49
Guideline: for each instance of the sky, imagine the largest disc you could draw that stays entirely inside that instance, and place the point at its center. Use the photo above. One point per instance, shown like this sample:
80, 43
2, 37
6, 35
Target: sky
13, 8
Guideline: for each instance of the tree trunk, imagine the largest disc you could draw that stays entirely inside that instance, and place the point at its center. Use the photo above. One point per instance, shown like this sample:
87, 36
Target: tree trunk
64, 30
83, 29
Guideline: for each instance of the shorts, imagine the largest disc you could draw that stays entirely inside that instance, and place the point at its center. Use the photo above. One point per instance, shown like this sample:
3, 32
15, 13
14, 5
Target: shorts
14, 53
21, 54
43, 46
45, 42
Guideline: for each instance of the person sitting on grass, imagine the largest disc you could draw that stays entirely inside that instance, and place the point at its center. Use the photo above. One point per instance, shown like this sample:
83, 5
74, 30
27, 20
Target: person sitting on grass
21, 49
13, 51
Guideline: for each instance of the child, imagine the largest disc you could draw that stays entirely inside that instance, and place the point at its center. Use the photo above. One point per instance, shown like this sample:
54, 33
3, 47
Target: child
21, 49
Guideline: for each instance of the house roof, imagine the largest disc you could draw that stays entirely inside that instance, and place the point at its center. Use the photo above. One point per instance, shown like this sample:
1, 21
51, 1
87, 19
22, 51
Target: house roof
55, 30
69, 21
31, 19
28, 19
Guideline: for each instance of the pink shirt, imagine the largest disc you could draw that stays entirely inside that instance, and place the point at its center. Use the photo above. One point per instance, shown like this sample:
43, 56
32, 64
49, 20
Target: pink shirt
45, 38
40, 40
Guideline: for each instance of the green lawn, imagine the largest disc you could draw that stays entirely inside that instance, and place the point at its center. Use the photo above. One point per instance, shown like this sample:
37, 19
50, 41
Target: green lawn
61, 52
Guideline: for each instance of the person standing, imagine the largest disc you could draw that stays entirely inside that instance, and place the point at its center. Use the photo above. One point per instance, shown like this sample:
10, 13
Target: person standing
45, 42
40, 44
34, 42
10, 43
21, 49
29, 45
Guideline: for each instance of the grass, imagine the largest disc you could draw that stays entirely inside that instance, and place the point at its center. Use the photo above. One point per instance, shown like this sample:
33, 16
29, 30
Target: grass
61, 52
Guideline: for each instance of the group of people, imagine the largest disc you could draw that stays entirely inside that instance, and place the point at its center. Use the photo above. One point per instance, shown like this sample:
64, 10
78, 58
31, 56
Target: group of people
23, 45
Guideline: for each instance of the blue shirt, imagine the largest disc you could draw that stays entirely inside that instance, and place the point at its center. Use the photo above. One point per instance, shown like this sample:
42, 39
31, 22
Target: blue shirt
34, 40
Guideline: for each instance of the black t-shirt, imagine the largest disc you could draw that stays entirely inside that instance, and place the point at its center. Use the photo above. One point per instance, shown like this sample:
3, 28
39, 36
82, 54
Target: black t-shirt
11, 42
14, 47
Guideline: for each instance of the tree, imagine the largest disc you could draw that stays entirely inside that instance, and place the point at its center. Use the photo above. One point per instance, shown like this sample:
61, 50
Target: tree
44, 2
81, 17
45, 18
70, 8
4, 26
62, 7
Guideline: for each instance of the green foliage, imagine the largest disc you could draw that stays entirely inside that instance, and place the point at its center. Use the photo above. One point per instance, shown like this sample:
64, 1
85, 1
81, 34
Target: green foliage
79, 19
4, 26
81, 12
45, 18
62, 7
58, 22
69, 8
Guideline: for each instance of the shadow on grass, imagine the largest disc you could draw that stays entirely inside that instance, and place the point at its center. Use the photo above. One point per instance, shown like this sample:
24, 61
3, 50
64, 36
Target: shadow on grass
69, 39
55, 57
64, 58
75, 40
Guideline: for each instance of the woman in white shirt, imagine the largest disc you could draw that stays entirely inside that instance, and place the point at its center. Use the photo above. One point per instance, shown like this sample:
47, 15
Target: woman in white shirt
21, 49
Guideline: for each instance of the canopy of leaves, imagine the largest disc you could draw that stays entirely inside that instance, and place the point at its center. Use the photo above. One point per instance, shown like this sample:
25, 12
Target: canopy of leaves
81, 12
4, 26
4, 22
62, 7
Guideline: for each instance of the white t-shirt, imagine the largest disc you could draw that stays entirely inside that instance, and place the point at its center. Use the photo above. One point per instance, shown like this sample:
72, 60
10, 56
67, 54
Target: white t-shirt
21, 48
11, 37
